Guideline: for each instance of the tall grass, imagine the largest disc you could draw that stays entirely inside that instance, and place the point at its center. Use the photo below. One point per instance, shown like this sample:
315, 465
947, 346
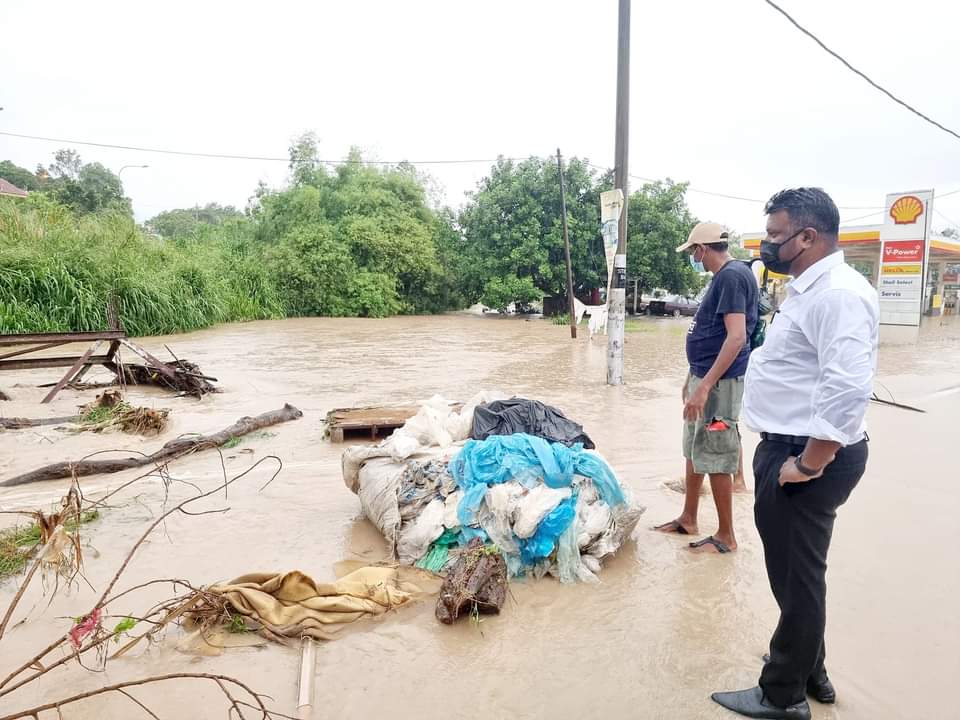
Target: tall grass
58, 270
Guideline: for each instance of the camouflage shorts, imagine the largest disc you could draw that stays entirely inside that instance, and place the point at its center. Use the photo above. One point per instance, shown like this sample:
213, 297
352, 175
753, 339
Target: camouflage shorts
715, 451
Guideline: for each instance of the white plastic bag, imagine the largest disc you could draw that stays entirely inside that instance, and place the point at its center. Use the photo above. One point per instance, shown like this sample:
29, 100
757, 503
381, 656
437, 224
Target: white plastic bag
533, 507
416, 536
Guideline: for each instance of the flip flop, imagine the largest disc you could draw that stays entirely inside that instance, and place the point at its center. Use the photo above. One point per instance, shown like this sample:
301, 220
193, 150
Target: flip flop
711, 540
673, 526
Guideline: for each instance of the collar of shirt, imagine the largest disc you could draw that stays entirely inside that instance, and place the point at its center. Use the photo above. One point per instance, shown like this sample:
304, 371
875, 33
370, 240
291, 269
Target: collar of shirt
821, 267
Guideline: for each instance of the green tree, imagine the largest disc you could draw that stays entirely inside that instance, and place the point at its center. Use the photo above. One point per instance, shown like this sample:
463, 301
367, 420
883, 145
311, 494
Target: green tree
659, 221
183, 222
21, 177
86, 188
512, 248
358, 241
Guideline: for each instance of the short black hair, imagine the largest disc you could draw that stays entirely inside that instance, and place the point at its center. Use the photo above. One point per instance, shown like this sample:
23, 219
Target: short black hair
807, 207
719, 247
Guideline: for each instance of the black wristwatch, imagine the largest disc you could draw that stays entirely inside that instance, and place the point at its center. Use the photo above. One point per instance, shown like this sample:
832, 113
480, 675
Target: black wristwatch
809, 472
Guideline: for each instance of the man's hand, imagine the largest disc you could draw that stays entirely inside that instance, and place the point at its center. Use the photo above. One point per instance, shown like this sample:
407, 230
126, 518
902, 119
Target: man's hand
789, 473
693, 407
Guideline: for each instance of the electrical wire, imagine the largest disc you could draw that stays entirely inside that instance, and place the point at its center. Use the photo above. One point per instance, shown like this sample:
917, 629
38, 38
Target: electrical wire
227, 156
267, 158
862, 217
946, 218
850, 67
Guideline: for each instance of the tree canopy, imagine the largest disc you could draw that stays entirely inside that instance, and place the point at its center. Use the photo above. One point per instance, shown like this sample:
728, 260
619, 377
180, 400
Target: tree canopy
512, 247
183, 222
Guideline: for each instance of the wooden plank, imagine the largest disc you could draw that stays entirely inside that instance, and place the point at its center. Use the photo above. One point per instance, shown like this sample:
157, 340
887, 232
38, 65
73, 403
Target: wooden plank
160, 367
376, 421
49, 362
74, 369
71, 337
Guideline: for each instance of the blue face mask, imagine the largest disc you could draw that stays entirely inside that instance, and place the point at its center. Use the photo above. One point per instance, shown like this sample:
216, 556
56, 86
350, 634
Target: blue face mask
697, 265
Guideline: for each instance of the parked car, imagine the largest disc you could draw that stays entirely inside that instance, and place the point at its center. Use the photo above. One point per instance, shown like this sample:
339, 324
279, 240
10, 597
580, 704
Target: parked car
675, 305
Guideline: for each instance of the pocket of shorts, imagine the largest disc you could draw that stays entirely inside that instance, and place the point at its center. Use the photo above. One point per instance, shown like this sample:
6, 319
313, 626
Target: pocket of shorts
721, 442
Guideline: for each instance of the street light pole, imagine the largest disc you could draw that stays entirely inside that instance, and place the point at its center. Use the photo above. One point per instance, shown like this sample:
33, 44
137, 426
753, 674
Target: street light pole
129, 166
618, 291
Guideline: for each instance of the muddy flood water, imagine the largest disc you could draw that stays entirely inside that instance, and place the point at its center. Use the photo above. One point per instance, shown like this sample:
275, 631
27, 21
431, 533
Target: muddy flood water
663, 629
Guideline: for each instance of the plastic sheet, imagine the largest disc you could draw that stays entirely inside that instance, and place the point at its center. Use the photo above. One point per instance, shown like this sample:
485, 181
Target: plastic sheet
532, 417
525, 458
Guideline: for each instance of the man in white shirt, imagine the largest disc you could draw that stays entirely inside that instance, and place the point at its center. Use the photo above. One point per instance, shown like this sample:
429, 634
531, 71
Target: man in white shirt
806, 393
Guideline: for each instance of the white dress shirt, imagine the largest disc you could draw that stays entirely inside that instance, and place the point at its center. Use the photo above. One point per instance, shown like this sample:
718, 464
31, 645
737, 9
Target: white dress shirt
813, 375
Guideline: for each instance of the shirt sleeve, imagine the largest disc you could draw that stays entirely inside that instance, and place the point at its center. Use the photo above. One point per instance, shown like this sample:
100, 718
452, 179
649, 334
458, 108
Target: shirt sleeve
732, 294
843, 332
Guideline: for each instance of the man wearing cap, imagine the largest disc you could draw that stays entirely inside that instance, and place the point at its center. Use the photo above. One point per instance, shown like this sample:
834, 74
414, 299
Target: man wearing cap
717, 352
807, 392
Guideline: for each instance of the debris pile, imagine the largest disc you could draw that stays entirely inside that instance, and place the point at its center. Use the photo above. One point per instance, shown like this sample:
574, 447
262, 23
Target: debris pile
183, 377
433, 489
110, 410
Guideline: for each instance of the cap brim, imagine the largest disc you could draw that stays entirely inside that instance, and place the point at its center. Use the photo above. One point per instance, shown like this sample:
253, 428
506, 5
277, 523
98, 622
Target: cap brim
686, 246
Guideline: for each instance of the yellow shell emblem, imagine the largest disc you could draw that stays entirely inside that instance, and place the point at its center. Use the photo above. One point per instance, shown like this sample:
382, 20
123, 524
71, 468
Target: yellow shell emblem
906, 210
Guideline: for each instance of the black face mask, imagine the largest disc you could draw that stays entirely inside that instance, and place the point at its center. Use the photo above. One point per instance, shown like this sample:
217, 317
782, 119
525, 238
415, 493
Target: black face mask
770, 255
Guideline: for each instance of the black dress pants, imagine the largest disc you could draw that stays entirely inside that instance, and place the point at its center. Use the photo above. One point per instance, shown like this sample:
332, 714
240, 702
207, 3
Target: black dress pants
795, 523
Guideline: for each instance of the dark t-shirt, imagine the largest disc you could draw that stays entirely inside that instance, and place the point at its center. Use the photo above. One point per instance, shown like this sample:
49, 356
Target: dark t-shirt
734, 289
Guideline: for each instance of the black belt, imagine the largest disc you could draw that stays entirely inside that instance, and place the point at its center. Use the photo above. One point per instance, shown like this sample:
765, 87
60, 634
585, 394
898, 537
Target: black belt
788, 439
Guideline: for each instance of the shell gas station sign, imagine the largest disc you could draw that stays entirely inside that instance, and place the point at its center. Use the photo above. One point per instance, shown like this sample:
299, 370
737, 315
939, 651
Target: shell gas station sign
904, 253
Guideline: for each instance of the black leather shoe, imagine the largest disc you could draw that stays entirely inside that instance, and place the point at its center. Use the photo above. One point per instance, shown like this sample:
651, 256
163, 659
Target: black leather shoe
820, 689
751, 703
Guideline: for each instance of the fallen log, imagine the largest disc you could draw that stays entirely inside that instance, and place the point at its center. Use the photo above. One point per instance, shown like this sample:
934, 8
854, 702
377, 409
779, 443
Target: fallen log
477, 583
174, 448
18, 423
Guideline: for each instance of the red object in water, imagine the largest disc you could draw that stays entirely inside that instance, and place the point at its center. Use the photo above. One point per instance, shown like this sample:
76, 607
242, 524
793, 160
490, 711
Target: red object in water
83, 628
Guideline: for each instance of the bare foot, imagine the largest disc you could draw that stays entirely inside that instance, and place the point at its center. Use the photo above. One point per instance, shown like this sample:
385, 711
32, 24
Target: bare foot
713, 544
739, 486
677, 527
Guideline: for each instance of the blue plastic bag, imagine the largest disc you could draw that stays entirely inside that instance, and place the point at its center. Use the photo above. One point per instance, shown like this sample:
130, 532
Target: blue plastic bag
544, 540
527, 459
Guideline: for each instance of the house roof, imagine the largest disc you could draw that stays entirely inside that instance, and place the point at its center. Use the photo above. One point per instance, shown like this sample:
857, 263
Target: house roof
8, 188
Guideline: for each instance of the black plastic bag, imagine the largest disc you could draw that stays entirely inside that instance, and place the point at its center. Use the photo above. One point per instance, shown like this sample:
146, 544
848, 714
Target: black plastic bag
518, 415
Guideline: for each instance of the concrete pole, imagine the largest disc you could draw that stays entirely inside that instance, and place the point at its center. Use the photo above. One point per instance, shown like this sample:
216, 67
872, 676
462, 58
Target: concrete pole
617, 296
566, 245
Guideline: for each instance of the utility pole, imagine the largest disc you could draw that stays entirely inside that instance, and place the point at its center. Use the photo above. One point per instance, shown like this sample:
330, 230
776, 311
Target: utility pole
617, 300
571, 308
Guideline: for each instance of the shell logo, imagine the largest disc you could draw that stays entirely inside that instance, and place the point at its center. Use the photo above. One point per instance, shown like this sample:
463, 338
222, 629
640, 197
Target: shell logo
906, 210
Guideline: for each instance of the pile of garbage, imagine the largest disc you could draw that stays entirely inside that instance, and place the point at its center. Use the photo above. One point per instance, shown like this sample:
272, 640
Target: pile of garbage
511, 474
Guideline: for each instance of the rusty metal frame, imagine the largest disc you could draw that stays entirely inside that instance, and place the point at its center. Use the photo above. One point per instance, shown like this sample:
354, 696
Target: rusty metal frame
78, 364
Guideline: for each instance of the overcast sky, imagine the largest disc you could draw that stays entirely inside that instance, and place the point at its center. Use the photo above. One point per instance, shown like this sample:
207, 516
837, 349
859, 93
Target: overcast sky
724, 94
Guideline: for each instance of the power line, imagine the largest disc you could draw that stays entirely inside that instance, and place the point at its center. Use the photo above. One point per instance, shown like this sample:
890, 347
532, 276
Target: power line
947, 219
740, 197
267, 158
854, 70
863, 217
227, 156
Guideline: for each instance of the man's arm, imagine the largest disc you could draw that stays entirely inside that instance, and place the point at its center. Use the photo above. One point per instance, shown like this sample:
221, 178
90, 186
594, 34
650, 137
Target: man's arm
736, 325
843, 333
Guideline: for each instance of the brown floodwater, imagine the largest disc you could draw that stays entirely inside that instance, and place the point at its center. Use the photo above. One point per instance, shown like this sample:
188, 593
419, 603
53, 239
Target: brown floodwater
663, 630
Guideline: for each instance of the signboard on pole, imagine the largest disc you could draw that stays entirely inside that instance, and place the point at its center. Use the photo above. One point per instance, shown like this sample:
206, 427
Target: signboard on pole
904, 255
611, 203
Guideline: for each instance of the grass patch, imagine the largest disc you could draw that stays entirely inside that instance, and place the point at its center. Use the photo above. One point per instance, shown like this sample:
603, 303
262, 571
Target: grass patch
18, 543
102, 413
